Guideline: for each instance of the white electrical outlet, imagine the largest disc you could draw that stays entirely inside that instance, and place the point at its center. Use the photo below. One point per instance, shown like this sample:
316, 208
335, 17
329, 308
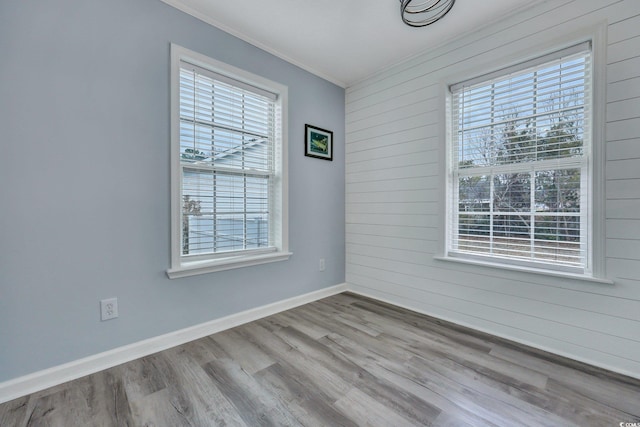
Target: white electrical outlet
321, 264
109, 308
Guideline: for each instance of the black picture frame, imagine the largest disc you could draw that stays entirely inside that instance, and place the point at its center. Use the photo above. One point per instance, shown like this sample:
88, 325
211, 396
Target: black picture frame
318, 142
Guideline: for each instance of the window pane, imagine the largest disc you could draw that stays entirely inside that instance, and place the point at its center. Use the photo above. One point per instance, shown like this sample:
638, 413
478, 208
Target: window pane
223, 212
474, 194
197, 210
557, 238
558, 190
523, 117
474, 233
512, 192
229, 232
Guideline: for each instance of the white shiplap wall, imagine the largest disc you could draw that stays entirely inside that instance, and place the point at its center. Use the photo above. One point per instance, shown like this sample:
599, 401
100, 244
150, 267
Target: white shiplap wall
395, 203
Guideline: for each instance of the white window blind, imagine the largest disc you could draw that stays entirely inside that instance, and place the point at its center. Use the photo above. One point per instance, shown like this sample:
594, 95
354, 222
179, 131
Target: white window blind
519, 164
227, 132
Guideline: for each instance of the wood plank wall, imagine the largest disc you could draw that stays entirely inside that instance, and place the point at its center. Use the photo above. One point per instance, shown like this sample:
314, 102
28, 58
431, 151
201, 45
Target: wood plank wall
395, 203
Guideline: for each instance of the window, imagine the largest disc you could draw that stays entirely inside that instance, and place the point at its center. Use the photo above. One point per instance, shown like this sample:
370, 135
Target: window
228, 167
519, 181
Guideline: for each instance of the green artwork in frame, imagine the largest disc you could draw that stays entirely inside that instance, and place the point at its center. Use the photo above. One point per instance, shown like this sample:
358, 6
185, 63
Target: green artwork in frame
318, 142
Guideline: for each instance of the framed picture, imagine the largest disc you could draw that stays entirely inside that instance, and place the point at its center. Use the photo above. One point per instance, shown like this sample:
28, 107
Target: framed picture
318, 142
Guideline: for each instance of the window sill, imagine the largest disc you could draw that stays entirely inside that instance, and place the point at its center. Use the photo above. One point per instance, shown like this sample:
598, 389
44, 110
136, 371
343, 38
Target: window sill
560, 274
194, 268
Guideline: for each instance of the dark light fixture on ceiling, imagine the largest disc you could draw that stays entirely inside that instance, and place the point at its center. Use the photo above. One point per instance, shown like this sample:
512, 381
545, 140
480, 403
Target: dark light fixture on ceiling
420, 13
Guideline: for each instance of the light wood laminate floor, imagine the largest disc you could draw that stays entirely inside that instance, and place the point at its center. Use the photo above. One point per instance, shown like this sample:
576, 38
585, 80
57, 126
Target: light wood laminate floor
342, 361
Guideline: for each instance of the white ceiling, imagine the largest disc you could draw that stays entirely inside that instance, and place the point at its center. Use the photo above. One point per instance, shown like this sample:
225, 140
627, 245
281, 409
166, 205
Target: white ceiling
343, 41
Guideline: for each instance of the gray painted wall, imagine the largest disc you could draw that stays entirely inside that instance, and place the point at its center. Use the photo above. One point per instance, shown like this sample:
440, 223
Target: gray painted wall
84, 181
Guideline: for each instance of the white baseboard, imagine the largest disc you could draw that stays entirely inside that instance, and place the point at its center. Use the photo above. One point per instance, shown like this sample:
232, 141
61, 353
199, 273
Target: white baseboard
46, 378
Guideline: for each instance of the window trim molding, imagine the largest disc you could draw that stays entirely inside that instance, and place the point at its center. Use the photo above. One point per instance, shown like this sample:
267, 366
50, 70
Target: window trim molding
179, 267
194, 268
525, 269
465, 71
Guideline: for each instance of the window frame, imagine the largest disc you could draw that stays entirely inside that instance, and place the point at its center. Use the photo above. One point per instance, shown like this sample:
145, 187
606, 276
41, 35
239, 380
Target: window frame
596, 35
188, 265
